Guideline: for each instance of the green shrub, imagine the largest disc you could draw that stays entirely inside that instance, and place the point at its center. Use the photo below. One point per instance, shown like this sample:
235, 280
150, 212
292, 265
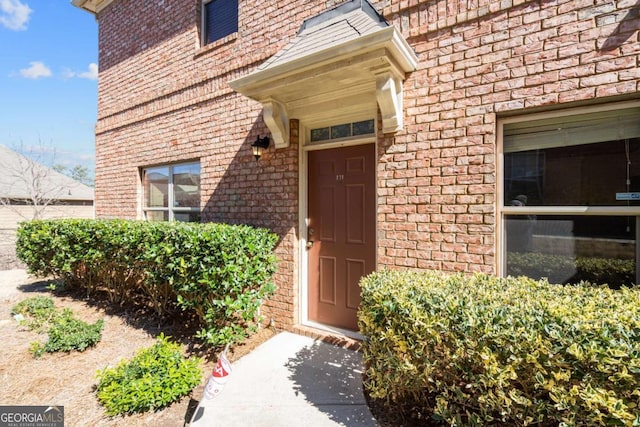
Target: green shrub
480, 350
226, 284
154, 378
37, 311
65, 333
68, 334
220, 272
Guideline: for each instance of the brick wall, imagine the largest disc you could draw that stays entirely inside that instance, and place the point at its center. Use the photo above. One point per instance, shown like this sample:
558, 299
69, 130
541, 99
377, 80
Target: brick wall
163, 98
437, 178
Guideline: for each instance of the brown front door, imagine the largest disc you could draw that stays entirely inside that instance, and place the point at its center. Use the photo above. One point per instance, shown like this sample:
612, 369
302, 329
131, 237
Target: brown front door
342, 212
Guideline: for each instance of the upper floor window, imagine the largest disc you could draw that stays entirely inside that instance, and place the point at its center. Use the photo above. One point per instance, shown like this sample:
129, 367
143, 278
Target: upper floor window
172, 193
219, 19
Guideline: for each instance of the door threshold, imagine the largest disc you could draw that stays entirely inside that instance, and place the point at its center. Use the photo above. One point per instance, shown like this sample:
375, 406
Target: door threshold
330, 334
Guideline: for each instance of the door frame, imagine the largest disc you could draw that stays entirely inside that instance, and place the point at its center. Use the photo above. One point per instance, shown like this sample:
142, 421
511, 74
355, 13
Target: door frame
303, 259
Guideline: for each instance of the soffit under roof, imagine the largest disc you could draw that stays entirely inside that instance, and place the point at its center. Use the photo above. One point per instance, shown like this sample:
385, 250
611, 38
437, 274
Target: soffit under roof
340, 63
93, 6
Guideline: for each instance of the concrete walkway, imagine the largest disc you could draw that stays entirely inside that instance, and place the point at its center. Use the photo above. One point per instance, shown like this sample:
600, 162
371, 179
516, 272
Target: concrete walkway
290, 380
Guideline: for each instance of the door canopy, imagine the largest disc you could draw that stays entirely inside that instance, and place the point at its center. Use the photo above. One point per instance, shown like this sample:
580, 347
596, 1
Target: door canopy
340, 64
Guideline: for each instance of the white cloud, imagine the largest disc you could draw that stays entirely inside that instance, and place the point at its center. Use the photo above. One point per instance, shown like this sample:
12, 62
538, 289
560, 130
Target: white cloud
14, 14
36, 70
91, 73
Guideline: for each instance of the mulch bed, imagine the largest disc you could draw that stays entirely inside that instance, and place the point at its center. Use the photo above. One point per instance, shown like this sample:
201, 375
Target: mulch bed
68, 379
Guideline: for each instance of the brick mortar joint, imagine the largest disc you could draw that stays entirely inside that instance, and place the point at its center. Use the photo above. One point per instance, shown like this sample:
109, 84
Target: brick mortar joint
459, 18
155, 97
223, 89
103, 126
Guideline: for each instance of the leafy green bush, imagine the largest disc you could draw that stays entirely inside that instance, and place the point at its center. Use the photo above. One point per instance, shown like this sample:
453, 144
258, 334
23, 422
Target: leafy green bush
65, 333
68, 334
220, 272
154, 378
37, 311
566, 269
480, 350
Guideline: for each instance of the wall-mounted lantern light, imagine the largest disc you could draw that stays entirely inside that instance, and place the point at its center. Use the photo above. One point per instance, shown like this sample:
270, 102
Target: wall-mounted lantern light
260, 145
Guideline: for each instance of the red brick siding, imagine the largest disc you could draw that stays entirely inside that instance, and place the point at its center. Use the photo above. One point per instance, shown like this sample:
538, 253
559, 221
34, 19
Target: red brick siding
163, 98
437, 178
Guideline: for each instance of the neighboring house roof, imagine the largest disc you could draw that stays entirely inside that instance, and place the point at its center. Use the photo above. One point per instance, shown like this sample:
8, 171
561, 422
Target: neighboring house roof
17, 172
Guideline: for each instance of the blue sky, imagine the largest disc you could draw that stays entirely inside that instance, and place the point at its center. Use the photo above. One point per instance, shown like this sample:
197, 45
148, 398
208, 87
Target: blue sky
48, 80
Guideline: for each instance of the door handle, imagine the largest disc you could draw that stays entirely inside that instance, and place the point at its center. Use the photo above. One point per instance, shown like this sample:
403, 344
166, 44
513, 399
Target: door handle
309, 244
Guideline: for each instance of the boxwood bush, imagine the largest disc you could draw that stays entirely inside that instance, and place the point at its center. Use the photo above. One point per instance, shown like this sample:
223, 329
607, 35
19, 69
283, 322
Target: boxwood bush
154, 378
480, 350
220, 272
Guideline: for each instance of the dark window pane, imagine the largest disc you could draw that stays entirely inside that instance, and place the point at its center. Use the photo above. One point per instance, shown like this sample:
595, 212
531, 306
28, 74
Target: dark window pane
187, 216
156, 187
320, 134
221, 19
186, 185
364, 128
597, 174
341, 131
570, 249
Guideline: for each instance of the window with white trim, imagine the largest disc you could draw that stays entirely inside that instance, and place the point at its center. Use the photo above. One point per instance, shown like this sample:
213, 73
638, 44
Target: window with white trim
172, 192
219, 19
571, 196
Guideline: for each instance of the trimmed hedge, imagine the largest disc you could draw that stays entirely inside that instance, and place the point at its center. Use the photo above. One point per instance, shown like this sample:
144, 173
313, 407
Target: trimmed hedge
221, 272
480, 350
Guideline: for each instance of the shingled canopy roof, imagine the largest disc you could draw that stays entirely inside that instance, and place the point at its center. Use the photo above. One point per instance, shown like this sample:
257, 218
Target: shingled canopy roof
340, 63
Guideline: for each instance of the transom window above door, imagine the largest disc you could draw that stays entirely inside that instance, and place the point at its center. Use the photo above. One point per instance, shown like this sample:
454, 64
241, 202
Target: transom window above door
172, 192
344, 130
